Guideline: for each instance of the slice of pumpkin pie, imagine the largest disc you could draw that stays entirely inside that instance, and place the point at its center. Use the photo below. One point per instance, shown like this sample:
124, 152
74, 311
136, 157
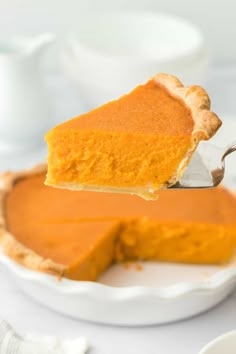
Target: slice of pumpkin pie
137, 144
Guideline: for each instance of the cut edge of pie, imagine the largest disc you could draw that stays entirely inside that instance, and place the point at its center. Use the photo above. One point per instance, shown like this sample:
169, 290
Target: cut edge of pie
9, 244
206, 124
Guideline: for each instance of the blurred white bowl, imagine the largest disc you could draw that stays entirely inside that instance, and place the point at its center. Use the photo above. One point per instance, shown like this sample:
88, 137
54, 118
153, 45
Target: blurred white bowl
111, 54
225, 344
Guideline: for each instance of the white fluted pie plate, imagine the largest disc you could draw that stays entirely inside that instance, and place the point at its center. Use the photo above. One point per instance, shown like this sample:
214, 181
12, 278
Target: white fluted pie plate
157, 293
162, 292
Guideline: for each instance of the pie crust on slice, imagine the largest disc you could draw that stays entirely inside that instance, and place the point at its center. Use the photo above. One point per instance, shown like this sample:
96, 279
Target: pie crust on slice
137, 144
80, 234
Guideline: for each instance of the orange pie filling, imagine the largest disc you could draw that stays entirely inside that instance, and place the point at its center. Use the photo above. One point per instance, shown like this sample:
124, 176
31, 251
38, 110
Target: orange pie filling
143, 160
85, 233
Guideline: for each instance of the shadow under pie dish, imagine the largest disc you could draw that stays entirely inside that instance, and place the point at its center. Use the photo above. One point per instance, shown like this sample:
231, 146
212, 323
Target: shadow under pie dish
80, 234
137, 144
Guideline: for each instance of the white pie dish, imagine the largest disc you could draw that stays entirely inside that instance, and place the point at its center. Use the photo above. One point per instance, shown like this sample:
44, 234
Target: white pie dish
160, 293
133, 305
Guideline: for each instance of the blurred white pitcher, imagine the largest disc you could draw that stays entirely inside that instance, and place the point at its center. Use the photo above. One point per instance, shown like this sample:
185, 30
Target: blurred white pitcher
24, 107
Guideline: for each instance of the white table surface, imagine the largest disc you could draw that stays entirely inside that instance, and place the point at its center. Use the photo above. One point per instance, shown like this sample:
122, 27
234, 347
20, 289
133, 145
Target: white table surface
186, 337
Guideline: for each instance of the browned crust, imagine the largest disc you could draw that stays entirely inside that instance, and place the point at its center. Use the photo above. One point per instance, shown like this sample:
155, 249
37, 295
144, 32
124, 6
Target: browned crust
206, 123
10, 246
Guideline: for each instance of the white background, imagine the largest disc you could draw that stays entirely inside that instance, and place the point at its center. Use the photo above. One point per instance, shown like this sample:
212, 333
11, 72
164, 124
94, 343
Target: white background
216, 18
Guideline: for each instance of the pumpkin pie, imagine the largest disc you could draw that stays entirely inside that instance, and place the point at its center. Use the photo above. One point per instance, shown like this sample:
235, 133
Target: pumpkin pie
80, 234
137, 144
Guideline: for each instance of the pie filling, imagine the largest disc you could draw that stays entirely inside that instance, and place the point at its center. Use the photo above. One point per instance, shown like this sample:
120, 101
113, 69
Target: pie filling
86, 232
145, 163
